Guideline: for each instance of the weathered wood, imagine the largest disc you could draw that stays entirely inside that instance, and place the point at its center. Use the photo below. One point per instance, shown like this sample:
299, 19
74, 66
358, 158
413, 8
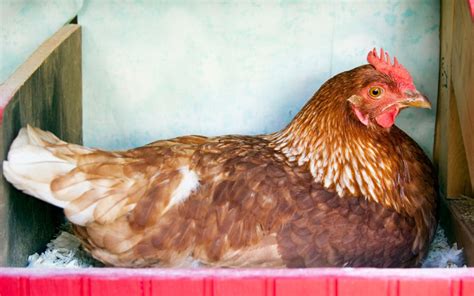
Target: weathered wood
458, 181
440, 151
462, 60
46, 91
462, 212
454, 140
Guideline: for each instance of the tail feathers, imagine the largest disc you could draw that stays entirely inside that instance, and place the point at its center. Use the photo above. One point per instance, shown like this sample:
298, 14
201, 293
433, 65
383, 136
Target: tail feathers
33, 162
89, 184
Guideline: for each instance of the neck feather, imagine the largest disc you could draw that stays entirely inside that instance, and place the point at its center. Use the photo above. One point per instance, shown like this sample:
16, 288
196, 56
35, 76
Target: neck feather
341, 154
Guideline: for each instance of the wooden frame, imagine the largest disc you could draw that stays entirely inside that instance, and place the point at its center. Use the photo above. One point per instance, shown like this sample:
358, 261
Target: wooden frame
454, 139
46, 91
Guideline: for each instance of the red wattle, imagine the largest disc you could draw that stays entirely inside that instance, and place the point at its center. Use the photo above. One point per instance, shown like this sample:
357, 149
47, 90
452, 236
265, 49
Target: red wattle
387, 119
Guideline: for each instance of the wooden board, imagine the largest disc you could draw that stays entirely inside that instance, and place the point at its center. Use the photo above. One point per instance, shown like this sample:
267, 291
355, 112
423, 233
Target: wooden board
46, 91
462, 76
440, 151
454, 139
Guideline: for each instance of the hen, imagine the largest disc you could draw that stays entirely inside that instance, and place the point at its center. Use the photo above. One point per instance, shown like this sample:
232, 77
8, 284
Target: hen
339, 186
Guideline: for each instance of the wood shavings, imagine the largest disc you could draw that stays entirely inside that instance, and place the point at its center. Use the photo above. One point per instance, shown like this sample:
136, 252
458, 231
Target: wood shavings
62, 252
465, 207
441, 254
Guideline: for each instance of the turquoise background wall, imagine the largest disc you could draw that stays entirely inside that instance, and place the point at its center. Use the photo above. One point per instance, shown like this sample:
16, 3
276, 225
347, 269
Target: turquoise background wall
25, 24
159, 69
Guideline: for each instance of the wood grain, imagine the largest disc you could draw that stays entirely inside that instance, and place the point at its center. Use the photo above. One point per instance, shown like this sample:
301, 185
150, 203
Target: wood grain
440, 151
458, 182
463, 77
454, 139
46, 91
462, 215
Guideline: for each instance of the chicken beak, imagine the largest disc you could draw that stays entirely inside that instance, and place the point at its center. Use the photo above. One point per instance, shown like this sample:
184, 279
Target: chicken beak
414, 99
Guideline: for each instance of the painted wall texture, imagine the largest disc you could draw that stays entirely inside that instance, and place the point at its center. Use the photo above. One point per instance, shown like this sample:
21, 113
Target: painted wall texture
25, 24
160, 69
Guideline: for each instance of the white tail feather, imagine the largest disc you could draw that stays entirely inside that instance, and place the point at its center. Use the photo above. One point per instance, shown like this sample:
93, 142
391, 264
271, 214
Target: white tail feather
42, 165
89, 184
31, 166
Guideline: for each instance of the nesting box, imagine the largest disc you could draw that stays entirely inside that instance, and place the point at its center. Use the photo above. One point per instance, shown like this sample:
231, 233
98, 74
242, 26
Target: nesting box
454, 138
46, 91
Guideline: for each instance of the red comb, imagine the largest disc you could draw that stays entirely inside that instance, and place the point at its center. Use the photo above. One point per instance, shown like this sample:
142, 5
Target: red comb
396, 71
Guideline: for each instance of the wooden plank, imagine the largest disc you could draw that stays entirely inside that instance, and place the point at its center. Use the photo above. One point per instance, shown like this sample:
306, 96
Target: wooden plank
462, 219
454, 139
463, 77
458, 180
440, 151
46, 91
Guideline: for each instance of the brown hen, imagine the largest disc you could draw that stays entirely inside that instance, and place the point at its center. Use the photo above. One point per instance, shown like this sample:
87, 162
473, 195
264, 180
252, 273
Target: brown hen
339, 186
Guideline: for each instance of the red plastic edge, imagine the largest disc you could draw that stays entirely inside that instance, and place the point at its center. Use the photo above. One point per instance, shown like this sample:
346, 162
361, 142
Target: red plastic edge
225, 282
5, 97
471, 8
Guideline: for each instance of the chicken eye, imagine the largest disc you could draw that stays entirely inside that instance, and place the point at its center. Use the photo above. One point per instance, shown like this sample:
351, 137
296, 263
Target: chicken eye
375, 91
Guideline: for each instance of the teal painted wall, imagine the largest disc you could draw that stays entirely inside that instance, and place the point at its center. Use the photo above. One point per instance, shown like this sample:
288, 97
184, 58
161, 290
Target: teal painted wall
25, 24
160, 69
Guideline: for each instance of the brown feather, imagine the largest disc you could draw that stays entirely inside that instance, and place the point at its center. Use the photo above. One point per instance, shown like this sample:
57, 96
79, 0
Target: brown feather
324, 191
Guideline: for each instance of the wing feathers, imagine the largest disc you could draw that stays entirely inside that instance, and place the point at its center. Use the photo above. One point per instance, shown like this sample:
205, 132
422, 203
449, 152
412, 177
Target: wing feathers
149, 206
93, 185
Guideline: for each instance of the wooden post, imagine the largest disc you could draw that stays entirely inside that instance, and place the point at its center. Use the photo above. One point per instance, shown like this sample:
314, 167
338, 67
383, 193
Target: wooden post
45, 91
454, 139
